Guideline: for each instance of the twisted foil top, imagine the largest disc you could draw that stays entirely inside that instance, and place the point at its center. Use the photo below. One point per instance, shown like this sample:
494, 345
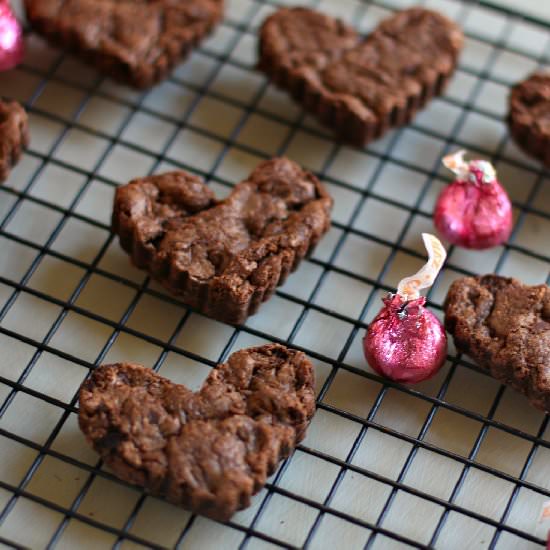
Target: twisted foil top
474, 171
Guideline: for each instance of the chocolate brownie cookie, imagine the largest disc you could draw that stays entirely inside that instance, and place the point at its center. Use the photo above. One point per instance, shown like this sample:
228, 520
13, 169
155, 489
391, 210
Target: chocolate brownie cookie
14, 135
223, 257
529, 116
505, 326
360, 87
208, 451
136, 42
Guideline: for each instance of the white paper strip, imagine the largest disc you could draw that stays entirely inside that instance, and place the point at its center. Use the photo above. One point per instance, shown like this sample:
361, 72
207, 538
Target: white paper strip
409, 287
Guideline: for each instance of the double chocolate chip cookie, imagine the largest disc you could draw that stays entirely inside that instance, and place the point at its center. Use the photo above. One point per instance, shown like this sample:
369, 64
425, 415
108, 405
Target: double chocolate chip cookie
505, 326
136, 42
224, 258
14, 135
360, 87
529, 116
208, 451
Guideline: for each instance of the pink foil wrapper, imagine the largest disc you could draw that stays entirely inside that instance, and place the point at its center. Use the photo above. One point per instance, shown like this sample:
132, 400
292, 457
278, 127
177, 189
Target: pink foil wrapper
11, 38
406, 342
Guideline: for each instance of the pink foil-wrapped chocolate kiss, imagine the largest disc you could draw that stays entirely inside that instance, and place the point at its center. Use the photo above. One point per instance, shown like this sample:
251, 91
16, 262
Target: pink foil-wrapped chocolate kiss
474, 211
11, 38
406, 342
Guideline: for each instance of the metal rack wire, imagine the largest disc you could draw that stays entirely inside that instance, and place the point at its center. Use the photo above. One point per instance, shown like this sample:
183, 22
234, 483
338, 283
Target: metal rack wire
237, 35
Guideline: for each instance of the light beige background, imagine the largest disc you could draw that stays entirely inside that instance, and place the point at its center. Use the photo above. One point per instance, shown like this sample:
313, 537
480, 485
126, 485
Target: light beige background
231, 108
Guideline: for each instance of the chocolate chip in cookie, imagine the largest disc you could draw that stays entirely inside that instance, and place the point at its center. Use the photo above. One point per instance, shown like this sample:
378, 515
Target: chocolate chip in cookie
208, 451
505, 326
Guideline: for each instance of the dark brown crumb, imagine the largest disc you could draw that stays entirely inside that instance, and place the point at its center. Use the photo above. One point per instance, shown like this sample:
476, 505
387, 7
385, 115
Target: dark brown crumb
505, 326
136, 42
360, 87
208, 451
529, 116
224, 258
14, 135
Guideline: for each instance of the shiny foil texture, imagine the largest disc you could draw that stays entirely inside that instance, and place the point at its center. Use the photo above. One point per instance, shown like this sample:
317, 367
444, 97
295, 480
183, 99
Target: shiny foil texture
406, 342
474, 214
11, 38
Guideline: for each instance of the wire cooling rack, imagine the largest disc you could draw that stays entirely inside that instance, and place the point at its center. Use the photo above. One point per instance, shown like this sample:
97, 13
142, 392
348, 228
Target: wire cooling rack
456, 462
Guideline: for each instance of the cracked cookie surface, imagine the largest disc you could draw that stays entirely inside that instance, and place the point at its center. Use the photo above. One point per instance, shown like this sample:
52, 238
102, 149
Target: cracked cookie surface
14, 135
224, 258
360, 87
136, 42
208, 451
505, 326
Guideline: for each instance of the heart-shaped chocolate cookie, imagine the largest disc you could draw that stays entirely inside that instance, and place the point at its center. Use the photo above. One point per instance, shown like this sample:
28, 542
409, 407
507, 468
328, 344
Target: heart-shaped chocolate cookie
529, 115
208, 451
14, 135
223, 257
505, 326
360, 87
136, 42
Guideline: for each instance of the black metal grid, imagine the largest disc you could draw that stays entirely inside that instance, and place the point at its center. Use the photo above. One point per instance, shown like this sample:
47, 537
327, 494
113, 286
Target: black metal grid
240, 25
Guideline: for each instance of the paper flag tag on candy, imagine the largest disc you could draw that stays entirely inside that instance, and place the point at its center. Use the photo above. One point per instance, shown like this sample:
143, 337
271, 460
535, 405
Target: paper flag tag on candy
409, 287
466, 171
